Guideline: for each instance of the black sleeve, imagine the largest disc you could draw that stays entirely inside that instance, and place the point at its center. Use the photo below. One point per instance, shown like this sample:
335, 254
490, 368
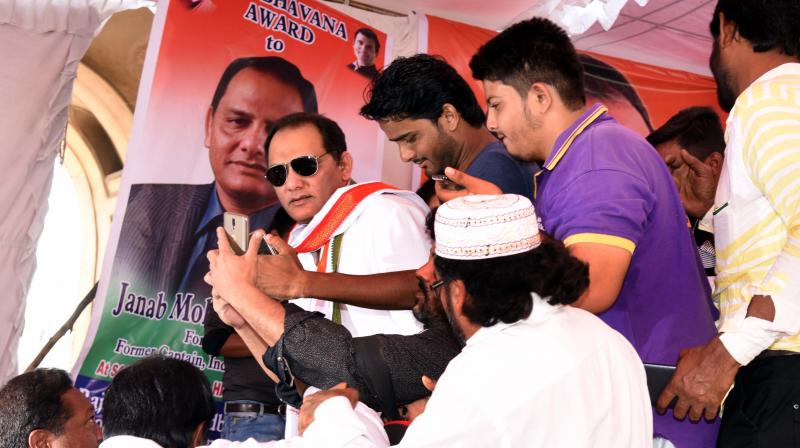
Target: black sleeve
316, 351
215, 332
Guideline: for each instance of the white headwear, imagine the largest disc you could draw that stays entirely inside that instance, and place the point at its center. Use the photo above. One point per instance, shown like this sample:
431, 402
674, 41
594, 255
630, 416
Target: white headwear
485, 226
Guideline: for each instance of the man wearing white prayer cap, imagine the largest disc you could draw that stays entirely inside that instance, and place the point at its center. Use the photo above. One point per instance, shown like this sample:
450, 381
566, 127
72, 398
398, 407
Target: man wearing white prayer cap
534, 372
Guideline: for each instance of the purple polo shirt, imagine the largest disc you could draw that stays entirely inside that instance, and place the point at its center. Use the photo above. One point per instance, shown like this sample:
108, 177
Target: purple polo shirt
602, 183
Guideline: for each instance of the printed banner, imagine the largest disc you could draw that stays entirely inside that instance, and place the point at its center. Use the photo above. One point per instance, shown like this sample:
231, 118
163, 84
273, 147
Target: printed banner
640, 96
152, 299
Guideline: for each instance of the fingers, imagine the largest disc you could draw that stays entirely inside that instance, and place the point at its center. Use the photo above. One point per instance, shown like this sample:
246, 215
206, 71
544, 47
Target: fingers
447, 194
695, 164
471, 183
222, 241
666, 397
429, 383
342, 386
212, 255
711, 412
695, 413
253, 244
208, 279
681, 408
278, 244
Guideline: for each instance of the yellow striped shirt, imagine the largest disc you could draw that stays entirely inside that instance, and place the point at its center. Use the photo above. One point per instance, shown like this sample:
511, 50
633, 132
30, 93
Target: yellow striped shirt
757, 211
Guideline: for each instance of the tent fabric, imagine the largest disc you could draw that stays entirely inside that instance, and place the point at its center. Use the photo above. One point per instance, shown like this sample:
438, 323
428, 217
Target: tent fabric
41, 44
666, 33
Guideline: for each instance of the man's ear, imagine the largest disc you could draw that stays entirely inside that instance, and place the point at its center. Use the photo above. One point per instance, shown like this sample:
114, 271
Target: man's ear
39, 438
727, 31
209, 120
458, 295
450, 118
199, 435
714, 160
540, 98
346, 166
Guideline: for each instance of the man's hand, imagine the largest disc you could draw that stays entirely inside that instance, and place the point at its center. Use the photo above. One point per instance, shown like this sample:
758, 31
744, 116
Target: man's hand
416, 408
226, 312
312, 402
281, 275
697, 186
228, 271
703, 377
472, 185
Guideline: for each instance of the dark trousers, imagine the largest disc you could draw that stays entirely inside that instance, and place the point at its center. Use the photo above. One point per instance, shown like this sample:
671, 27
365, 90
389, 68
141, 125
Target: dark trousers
763, 408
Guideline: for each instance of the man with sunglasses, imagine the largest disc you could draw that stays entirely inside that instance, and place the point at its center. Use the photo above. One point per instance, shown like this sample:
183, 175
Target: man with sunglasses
342, 226
168, 228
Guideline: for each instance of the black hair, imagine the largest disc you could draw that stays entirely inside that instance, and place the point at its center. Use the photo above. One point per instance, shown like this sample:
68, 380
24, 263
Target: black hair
499, 288
427, 190
33, 401
332, 135
283, 70
418, 87
531, 51
370, 35
696, 129
767, 24
603, 81
158, 398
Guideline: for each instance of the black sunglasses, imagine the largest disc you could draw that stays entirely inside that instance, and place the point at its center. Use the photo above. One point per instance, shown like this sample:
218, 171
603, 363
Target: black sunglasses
304, 166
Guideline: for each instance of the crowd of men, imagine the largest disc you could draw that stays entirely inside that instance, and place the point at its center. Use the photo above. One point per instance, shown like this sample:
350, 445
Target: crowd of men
567, 252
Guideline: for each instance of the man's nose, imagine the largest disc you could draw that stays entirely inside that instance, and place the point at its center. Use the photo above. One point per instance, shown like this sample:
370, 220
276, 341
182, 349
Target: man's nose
406, 155
491, 120
254, 139
425, 272
293, 180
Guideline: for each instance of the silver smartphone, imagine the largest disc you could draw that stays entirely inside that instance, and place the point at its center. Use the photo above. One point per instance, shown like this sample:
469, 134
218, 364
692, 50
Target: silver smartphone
237, 227
446, 182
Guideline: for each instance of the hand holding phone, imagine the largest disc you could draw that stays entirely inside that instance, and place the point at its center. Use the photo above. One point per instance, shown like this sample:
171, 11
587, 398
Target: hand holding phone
237, 227
445, 182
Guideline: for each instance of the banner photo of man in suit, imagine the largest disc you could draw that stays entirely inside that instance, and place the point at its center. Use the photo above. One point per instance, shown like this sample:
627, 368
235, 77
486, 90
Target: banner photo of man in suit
217, 75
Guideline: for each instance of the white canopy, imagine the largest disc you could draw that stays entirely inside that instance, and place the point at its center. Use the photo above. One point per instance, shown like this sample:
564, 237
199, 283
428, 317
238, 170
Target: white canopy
665, 33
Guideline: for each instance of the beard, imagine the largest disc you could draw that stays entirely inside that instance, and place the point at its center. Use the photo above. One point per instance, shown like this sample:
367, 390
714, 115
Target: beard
445, 154
454, 326
429, 312
726, 94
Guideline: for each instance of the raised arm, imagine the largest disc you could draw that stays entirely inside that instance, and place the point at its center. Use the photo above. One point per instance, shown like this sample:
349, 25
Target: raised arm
282, 276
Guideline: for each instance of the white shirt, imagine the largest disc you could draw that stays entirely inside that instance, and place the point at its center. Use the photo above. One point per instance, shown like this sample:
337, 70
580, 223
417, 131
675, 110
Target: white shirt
386, 233
757, 216
128, 442
366, 430
561, 378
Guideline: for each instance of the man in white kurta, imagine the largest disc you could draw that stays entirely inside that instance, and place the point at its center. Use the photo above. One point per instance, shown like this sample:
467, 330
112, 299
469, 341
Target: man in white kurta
557, 377
365, 228
385, 232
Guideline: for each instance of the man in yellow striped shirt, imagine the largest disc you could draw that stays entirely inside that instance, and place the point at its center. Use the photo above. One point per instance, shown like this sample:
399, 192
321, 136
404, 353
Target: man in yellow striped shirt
756, 63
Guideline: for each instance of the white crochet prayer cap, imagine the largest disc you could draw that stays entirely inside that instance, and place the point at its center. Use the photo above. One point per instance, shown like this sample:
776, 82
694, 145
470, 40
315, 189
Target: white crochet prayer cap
485, 226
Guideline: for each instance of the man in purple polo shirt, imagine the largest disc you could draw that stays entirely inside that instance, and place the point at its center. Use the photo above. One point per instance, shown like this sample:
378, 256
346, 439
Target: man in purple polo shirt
605, 192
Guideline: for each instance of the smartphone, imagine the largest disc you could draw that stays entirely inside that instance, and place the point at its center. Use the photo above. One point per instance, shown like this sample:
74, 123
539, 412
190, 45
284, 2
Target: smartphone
265, 249
237, 227
658, 377
446, 182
